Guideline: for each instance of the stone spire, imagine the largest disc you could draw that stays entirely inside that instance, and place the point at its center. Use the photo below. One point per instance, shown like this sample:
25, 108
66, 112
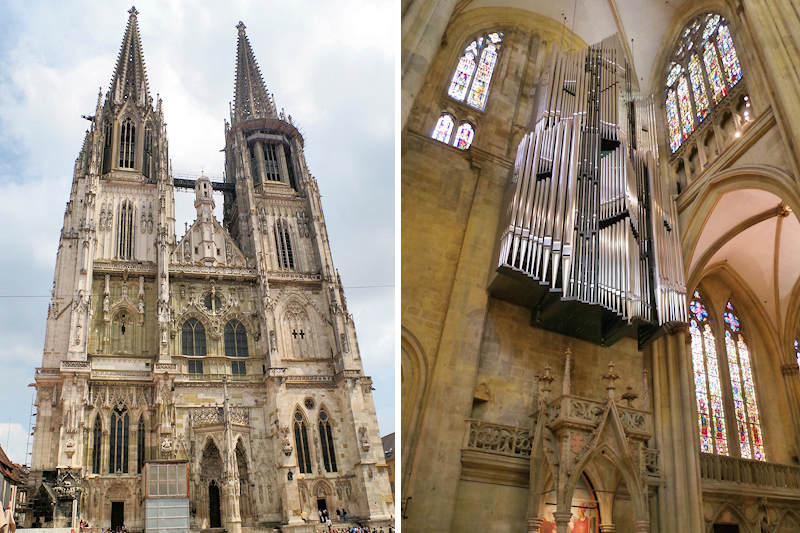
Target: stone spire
130, 79
250, 96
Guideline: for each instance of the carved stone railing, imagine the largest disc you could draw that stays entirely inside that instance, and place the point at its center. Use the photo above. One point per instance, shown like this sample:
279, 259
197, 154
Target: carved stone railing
586, 413
721, 468
497, 438
203, 416
74, 365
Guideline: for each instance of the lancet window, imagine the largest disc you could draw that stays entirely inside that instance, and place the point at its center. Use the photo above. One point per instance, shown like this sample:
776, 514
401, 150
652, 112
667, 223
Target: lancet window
127, 144
107, 142
748, 422
125, 230
301, 443
118, 442
147, 159
443, 132
473, 73
326, 441
235, 339
797, 352
707, 387
140, 445
705, 49
97, 444
283, 245
193, 338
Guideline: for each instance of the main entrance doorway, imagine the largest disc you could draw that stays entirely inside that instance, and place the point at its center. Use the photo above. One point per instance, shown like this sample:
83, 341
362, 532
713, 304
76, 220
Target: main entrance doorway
213, 505
117, 515
322, 506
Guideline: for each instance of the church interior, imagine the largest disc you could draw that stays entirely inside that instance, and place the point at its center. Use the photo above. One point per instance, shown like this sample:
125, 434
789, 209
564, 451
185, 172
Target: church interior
600, 267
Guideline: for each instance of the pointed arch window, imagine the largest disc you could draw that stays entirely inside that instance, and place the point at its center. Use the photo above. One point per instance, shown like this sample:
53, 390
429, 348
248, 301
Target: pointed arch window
140, 445
125, 230
748, 421
464, 136
147, 156
707, 388
704, 49
107, 142
118, 442
235, 339
797, 352
283, 245
473, 73
97, 444
127, 143
193, 339
301, 443
444, 128
326, 440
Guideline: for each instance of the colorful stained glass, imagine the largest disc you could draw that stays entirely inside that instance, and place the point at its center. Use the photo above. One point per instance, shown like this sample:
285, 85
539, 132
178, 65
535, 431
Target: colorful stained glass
715, 79
797, 352
728, 54
699, 88
443, 129
673, 122
480, 87
463, 74
674, 72
464, 136
711, 25
685, 105
748, 422
708, 392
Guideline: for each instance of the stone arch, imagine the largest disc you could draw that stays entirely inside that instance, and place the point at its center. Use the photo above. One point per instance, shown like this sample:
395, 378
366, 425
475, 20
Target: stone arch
789, 522
246, 511
737, 514
414, 370
125, 328
701, 202
300, 336
303, 448
210, 462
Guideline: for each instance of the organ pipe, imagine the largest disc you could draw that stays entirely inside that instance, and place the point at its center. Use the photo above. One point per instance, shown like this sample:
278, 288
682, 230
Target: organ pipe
589, 216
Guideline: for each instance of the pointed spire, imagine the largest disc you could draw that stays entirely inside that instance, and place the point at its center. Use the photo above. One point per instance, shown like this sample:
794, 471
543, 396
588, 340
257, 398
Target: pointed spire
130, 77
250, 96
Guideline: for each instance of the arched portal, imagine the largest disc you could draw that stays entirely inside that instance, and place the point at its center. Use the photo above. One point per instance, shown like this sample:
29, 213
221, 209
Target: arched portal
208, 496
245, 498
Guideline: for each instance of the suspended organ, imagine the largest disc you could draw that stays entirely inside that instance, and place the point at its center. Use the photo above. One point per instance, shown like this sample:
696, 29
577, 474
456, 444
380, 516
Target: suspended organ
590, 238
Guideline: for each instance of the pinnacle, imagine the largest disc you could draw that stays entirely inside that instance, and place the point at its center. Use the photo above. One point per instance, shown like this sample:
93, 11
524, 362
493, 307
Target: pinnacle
250, 98
130, 78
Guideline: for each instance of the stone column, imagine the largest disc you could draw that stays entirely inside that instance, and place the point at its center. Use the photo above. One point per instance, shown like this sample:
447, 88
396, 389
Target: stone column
258, 147
534, 524
284, 170
608, 528
641, 526
562, 521
423, 24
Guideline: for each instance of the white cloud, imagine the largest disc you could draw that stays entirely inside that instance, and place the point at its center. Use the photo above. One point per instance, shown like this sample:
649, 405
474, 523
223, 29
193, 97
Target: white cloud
13, 439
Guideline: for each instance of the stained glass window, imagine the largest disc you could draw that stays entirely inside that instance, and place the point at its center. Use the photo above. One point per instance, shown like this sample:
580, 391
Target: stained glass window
443, 128
673, 122
706, 53
708, 392
471, 79
699, 89
748, 422
464, 136
718, 89
685, 106
728, 53
797, 351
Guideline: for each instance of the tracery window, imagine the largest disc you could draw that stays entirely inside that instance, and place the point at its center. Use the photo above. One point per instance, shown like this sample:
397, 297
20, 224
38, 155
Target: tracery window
147, 159
107, 141
748, 422
97, 444
125, 231
127, 143
706, 37
283, 245
235, 339
193, 338
213, 303
326, 440
444, 128
473, 73
464, 136
444, 131
118, 442
707, 388
301, 443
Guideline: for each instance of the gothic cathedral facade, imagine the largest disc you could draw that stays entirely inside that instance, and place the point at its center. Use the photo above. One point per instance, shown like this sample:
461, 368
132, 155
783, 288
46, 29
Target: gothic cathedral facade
230, 350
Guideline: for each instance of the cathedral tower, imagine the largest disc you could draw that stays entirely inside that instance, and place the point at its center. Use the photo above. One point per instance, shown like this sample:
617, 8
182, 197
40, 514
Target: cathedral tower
229, 351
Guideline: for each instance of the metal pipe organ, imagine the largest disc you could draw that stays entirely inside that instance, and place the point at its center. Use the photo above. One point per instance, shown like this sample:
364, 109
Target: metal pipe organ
588, 220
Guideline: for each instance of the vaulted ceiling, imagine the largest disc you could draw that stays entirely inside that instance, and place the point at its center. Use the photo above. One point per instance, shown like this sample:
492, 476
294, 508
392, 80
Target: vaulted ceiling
641, 23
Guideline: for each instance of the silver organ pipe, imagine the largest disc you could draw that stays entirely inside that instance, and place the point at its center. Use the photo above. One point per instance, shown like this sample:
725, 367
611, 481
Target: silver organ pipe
589, 218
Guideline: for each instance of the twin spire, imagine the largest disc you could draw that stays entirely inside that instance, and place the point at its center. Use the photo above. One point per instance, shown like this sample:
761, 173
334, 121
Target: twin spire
250, 97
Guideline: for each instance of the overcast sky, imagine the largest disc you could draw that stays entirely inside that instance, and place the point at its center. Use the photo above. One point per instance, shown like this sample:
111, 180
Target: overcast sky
329, 64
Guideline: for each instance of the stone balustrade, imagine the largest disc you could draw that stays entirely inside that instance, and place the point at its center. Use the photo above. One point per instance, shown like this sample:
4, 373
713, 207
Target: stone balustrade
585, 412
721, 468
497, 438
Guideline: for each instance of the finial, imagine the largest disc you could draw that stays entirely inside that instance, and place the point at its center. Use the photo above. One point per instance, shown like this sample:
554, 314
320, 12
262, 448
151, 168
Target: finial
241, 28
611, 377
547, 379
133, 11
629, 396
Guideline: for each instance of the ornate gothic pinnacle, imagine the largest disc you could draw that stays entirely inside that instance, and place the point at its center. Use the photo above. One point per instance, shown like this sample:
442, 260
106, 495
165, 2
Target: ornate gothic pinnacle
133, 12
547, 379
611, 376
241, 27
629, 395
